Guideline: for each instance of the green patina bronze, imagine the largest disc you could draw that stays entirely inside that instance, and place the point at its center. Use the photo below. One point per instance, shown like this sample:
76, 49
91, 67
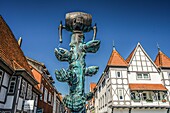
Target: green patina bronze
78, 23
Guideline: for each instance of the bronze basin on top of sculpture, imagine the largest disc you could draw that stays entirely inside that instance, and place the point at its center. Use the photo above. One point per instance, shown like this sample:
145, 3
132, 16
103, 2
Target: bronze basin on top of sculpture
78, 21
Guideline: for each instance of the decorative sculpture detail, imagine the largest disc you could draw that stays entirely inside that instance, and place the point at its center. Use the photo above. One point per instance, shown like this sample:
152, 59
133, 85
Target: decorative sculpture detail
77, 23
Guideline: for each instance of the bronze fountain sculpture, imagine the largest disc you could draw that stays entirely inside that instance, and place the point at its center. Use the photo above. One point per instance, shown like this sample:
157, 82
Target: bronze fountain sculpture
78, 23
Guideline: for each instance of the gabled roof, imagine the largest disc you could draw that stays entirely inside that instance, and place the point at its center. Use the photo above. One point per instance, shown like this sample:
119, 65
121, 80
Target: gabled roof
10, 52
162, 60
116, 59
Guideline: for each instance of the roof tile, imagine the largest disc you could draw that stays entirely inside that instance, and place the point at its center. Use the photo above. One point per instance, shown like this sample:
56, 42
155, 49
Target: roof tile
10, 52
116, 59
162, 60
147, 87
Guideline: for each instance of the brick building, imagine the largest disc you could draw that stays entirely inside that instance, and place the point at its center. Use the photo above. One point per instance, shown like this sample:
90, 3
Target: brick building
50, 101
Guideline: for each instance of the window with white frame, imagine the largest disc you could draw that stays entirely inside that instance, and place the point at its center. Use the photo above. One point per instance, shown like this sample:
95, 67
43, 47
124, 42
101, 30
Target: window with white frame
52, 100
49, 97
23, 88
143, 76
120, 92
12, 84
45, 95
29, 91
118, 74
105, 99
1, 75
144, 95
99, 88
103, 83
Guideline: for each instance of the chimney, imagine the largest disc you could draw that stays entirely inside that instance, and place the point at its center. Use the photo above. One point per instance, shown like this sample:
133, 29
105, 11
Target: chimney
20, 41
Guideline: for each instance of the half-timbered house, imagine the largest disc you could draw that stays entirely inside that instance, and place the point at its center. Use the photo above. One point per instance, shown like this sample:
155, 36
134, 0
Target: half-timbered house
134, 85
18, 91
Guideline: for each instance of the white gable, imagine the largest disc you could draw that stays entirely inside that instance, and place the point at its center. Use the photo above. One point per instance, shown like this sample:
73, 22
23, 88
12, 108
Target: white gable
141, 61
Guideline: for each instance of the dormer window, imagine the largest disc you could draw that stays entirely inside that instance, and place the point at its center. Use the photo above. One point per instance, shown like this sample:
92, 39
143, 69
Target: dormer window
143, 76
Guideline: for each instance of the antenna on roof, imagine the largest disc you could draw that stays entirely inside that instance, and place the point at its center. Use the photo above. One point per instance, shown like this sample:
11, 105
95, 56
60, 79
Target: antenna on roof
19, 41
113, 45
158, 47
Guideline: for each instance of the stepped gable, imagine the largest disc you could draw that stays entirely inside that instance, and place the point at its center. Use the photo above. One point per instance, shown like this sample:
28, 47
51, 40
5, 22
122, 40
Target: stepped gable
162, 60
116, 59
10, 52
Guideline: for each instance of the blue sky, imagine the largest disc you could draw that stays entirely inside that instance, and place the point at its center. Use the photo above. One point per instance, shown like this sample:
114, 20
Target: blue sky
127, 22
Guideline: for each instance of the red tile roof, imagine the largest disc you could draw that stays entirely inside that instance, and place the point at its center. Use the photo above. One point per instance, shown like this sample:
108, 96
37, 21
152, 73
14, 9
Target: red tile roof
116, 59
162, 60
147, 87
130, 56
10, 51
92, 86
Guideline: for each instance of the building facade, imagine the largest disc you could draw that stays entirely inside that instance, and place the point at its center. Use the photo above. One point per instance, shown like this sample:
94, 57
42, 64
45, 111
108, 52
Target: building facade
18, 91
91, 103
134, 85
50, 101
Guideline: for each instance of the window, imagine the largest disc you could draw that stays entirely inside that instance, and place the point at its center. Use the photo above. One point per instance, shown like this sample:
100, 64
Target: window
169, 75
52, 100
133, 96
103, 83
96, 94
23, 88
12, 84
139, 76
143, 76
144, 96
120, 94
29, 91
105, 99
99, 88
1, 75
49, 97
118, 75
42, 88
45, 95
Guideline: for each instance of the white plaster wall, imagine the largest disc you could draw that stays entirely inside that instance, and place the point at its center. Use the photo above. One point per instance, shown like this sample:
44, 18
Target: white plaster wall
9, 102
154, 78
166, 75
113, 75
